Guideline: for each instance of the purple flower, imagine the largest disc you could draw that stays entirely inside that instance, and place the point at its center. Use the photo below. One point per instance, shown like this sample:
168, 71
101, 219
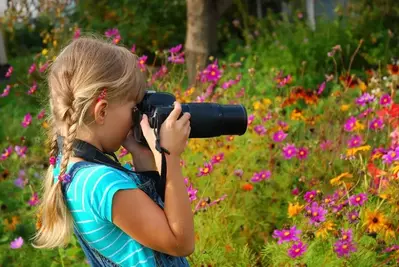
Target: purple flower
176, 49
364, 113
329, 201
297, 249
289, 151
21, 151
350, 124
321, 88
217, 158
346, 235
302, 153
355, 141
206, 170
212, 73
385, 100
17, 243
353, 216
287, 235
27, 120
310, 196
279, 136
326, 145
358, 200
316, 213
376, 124
261, 176
141, 62
34, 200
112, 32
176, 57
192, 193
344, 248
391, 155
260, 129
251, 119
365, 99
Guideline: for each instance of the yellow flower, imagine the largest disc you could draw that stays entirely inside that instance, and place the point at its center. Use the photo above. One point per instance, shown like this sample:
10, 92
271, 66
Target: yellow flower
353, 151
44, 52
358, 126
362, 86
55, 43
337, 180
11, 226
345, 107
395, 169
294, 209
45, 125
267, 102
257, 105
375, 221
296, 115
389, 231
323, 230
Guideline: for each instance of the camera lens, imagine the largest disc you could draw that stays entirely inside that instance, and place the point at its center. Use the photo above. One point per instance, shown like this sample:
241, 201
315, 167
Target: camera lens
211, 120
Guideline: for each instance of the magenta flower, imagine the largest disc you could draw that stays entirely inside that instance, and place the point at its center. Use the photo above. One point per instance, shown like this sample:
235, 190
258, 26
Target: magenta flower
344, 248
34, 200
355, 141
192, 193
41, 114
358, 200
76, 34
295, 191
176, 57
353, 216
44, 67
289, 151
346, 235
251, 119
21, 151
365, 113
163, 70
217, 158
376, 124
33, 88
302, 153
6, 91
391, 155
261, 176
230, 83
142, 61
364, 99
123, 152
206, 170
19, 182
310, 196
385, 100
7, 152
279, 136
17, 243
287, 235
350, 124
32, 68
321, 88
267, 117
9, 72
326, 145
316, 213
260, 129
27, 120
329, 201
297, 249
212, 73
112, 32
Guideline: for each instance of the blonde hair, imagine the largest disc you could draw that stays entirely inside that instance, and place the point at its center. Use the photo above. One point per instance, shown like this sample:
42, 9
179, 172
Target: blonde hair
77, 76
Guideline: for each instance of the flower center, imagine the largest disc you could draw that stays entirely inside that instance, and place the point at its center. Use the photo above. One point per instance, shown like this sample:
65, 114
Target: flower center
375, 220
315, 214
344, 237
345, 246
286, 233
393, 154
353, 217
206, 170
358, 199
213, 73
297, 250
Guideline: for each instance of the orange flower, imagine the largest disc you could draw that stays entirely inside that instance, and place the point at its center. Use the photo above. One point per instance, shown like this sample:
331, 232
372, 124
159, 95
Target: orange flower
294, 209
337, 180
247, 187
393, 69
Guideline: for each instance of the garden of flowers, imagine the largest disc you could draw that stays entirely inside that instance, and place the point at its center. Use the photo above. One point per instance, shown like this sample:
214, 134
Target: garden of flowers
313, 182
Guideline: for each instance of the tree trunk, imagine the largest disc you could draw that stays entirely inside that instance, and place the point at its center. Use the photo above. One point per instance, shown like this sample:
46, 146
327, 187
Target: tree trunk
201, 34
310, 14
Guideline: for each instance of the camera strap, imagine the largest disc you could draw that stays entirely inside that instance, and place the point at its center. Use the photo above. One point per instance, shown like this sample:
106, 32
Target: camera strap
160, 149
90, 153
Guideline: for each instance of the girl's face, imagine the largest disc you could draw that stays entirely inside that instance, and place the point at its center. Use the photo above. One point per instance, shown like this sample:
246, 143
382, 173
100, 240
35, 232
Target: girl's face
116, 122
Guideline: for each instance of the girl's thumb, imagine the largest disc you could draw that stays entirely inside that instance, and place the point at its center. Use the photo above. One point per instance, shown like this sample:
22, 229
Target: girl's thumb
144, 123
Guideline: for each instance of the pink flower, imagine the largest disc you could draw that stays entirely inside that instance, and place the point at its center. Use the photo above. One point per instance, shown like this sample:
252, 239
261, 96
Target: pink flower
302, 153
76, 34
9, 72
251, 119
238, 173
7, 152
44, 67
355, 141
17, 243
27, 120
176, 57
261, 176
206, 170
350, 124
34, 200
297, 249
217, 158
6, 91
321, 88
385, 100
279, 136
260, 129
133, 48
111, 32
41, 114
33, 88
32, 68
21, 151
142, 61
376, 124
289, 151
212, 73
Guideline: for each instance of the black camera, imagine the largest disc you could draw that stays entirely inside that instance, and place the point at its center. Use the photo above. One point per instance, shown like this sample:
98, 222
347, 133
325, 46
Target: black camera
207, 119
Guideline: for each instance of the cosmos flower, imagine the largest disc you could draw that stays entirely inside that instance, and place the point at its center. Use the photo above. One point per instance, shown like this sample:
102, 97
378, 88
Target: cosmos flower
358, 200
297, 249
287, 235
279, 136
17, 243
289, 151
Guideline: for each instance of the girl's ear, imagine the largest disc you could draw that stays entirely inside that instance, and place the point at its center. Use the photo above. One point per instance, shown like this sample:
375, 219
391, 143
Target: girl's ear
100, 111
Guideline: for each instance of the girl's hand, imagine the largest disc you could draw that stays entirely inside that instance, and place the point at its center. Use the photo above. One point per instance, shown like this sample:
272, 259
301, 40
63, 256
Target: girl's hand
174, 132
143, 158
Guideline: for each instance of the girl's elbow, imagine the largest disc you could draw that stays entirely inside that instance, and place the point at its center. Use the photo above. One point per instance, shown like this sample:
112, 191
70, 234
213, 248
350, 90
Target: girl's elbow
185, 250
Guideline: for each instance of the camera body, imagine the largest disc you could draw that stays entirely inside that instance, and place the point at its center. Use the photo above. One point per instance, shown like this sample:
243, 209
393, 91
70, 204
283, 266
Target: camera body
207, 119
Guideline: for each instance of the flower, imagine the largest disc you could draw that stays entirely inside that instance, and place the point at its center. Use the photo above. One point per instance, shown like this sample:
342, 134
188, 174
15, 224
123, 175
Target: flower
350, 124
321, 88
33, 88
346, 235
7, 152
289, 151
76, 34
192, 193
176, 56
316, 213
353, 216
9, 72
358, 200
251, 119
385, 100
260, 129
391, 155
364, 99
344, 248
302, 153
211, 73
17, 243
297, 249
355, 141
206, 170
326, 145
34, 200
375, 220
247, 187
310, 196
287, 235
217, 158
41, 114
6, 91
294, 209
376, 124
141, 62
238, 172
21, 151
27, 120
279, 136
261, 176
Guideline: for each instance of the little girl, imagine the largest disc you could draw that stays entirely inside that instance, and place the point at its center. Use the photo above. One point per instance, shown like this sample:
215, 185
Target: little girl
117, 216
